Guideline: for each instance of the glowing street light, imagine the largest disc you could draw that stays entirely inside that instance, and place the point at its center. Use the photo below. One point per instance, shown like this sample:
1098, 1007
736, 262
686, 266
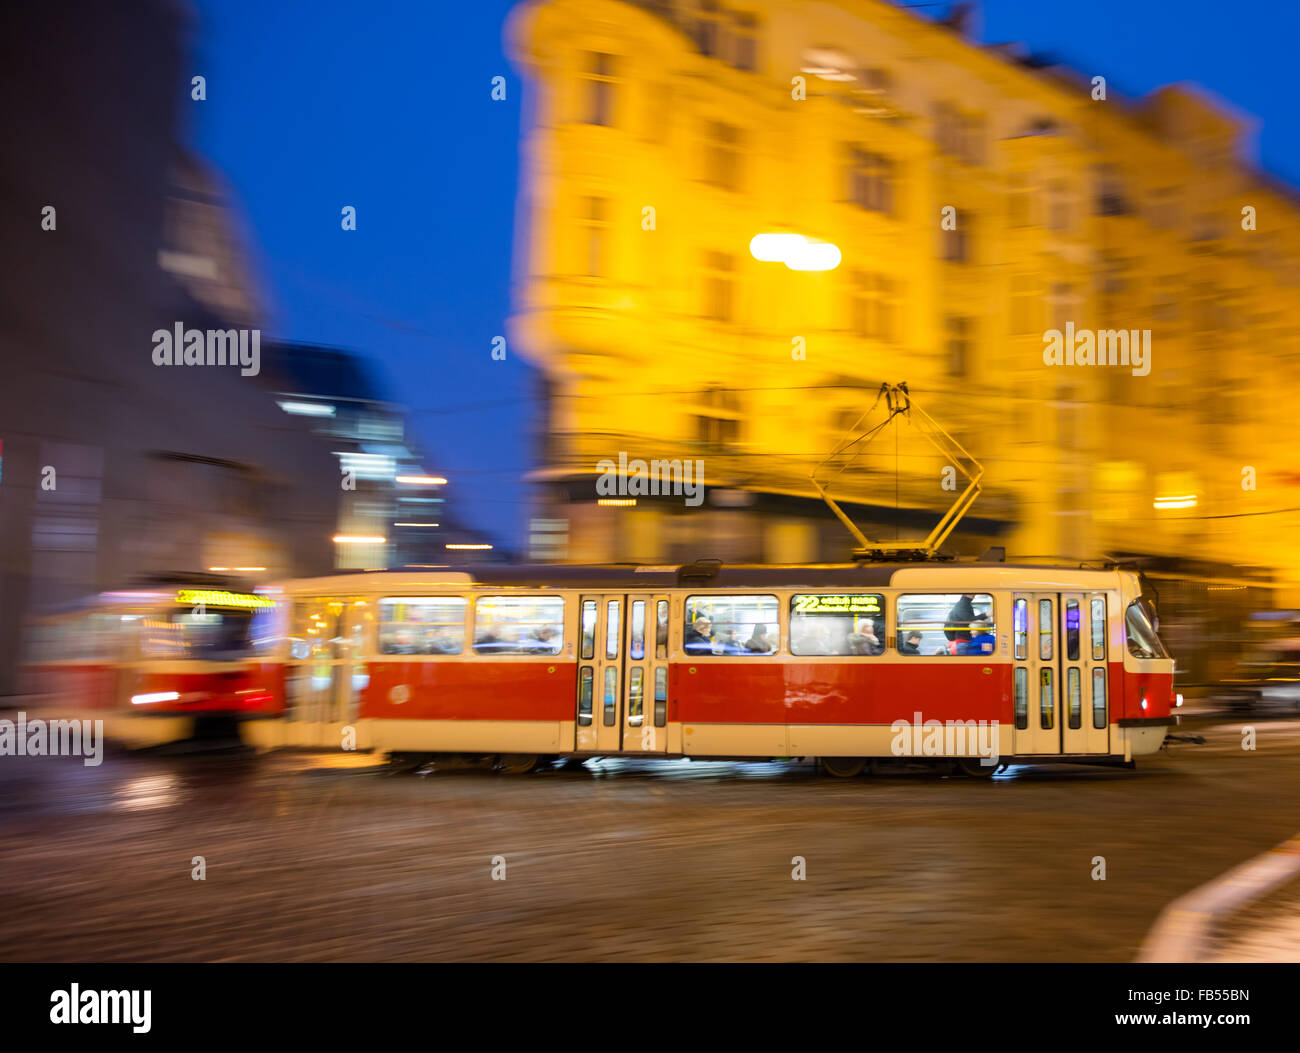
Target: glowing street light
422, 480
795, 251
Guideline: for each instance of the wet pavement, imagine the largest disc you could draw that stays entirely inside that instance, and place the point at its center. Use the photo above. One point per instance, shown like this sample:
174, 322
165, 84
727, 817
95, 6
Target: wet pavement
622, 860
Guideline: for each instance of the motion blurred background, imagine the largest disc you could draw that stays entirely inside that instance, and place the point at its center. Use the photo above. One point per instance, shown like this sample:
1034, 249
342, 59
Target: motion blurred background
595, 207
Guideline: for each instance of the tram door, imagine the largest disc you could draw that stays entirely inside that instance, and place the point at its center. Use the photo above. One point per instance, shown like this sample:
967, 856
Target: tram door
1035, 667
622, 699
327, 667
1086, 725
1059, 673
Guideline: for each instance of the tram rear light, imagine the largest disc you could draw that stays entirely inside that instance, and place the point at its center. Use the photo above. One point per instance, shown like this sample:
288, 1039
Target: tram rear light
155, 696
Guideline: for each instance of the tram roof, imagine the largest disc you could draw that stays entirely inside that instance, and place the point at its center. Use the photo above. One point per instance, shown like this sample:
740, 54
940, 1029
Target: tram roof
635, 578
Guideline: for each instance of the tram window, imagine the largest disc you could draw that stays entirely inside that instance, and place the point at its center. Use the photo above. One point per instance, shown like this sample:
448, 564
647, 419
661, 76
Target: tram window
940, 624
731, 625
588, 630
519, 625
611, 629
421, 624
1046, 700
359, 619
217, 634
840, 624
268, 629
661, 695
584, 697
1020, 628
1072, 616
1045, 630
610, 707
1022, 697
1099, 629
1099, 698
1074, 690
635, 696
314, 624
637, 646
1142, 639
661, 629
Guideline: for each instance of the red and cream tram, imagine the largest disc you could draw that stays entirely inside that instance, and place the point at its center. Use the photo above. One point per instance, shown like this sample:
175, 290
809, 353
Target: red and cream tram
159, 662
984, 664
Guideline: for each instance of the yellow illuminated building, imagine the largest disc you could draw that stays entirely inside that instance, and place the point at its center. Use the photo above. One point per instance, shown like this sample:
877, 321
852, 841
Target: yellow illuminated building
979, 200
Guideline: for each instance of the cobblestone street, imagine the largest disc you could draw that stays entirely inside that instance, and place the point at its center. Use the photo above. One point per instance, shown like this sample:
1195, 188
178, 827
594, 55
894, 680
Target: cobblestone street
621, 860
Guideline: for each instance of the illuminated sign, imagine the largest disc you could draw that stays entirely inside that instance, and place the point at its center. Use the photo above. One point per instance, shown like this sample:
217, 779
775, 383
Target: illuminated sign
218, 598
854, 603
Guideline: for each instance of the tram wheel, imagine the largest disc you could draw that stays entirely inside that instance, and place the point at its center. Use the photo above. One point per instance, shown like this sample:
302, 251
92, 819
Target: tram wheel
971, 766
844, 767
517, 763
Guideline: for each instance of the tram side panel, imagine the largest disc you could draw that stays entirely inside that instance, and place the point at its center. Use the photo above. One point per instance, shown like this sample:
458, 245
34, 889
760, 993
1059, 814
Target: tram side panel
768, 707
473, 705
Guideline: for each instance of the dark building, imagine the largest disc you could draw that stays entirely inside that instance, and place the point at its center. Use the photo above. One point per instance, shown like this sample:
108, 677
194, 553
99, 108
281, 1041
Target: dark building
115, 467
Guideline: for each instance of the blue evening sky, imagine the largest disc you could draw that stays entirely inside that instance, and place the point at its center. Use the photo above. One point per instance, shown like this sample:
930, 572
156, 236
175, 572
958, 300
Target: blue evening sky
317, 104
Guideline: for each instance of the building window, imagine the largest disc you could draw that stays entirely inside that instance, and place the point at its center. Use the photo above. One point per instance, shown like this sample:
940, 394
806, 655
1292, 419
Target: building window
973, 136
719, 286
722, 155
871, 181
1058, 207
1164, 208
719, 422
1110, 197
957, 244
598, 89
947, 137
873, 306
1164, 306
706, 27
744, 42
1026, 306
1018, 202
593, 237
1062, 304
958, 336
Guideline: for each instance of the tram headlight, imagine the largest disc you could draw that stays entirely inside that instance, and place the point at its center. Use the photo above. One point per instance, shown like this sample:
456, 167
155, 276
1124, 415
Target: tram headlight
1144, 702
156, 696
1178, 700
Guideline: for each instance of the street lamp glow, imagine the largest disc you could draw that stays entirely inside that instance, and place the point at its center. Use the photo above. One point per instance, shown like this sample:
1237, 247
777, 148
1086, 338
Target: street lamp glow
467, 546
773, 248
422, 480
814, 256
795, 251
358, 539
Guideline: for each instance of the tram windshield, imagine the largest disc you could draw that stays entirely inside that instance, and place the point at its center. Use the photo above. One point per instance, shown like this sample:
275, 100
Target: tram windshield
214, 635
1143, 641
